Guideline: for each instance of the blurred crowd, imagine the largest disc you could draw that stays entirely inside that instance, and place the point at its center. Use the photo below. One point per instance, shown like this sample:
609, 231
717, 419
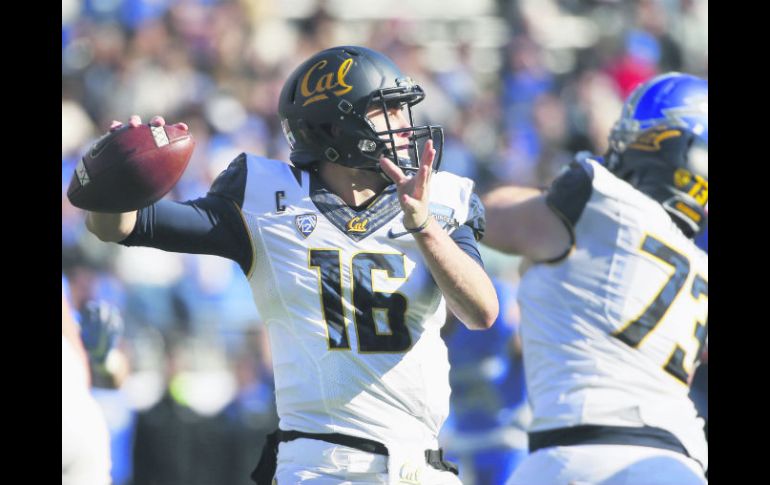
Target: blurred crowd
519, 86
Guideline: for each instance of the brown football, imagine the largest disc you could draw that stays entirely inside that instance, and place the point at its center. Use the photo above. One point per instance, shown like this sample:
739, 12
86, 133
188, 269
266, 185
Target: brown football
130, 168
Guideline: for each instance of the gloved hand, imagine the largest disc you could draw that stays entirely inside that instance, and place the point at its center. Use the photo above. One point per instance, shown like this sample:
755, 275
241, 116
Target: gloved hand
101, 325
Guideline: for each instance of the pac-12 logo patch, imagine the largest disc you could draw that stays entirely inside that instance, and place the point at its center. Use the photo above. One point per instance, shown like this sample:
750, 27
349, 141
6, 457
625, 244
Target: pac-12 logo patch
306, 224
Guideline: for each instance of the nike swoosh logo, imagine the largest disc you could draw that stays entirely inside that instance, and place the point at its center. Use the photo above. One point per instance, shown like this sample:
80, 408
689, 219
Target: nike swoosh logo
446, 226
395, 235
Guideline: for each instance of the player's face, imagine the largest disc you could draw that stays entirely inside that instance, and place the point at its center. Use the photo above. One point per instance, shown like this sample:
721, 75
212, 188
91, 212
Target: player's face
398, 118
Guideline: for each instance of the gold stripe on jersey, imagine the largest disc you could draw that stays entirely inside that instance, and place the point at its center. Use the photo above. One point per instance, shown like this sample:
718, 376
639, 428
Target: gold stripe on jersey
251, 241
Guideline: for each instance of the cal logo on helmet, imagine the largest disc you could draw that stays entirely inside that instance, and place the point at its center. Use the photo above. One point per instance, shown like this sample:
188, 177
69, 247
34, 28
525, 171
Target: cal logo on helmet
319, 80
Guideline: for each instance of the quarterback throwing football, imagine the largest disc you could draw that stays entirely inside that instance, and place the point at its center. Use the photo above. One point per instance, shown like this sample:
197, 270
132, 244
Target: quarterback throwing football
353, 253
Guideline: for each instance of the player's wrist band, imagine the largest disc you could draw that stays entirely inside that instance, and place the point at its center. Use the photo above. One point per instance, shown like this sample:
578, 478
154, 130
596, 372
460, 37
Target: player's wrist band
421, 227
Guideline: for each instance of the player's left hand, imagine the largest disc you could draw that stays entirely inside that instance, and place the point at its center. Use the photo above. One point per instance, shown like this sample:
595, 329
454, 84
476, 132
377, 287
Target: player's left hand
413, 191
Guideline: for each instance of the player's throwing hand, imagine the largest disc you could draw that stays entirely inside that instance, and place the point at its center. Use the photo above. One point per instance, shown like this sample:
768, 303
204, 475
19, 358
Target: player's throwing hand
413, 191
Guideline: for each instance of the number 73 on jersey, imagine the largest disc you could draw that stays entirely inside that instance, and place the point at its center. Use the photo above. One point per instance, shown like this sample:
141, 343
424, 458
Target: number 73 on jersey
635, 333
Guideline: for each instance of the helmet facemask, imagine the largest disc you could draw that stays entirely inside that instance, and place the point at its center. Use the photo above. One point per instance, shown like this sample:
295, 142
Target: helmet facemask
387, 143
675, 175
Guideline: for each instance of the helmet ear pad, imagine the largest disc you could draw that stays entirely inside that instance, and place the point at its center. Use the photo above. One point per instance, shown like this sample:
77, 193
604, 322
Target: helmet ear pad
349, 142
663, 164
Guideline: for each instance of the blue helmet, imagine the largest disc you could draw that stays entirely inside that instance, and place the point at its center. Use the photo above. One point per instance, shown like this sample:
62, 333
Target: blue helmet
660, 146
672, 99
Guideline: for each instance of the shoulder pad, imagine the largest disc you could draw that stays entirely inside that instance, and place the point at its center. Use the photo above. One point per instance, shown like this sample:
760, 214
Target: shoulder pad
570, 192
231, 183
267, 179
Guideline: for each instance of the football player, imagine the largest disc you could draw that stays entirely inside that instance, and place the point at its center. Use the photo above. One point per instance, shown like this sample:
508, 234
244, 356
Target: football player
85, 440
353, 252
614, 297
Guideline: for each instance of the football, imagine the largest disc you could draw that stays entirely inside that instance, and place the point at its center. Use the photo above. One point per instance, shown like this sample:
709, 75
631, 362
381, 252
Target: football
130, 168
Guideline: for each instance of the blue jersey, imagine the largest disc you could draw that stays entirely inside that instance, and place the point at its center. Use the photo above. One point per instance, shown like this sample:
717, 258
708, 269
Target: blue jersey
485, 429
487, 379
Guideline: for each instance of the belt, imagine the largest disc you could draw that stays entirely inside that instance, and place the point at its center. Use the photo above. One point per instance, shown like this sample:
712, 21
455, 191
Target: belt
606, 435
265, 471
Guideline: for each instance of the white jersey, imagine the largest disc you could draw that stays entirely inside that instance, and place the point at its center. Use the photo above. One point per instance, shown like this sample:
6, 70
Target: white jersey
611, 333
85, 439
344, 296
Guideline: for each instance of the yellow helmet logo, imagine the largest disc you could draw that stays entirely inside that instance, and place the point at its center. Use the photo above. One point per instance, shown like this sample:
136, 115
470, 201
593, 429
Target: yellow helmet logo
650, 141
696, 186
682, 178
327, 81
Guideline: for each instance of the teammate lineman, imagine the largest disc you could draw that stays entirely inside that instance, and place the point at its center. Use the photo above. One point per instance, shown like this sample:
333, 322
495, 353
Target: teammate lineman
614, 297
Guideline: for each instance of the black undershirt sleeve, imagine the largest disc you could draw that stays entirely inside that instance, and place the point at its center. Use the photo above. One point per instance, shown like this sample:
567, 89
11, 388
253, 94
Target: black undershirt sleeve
464, 237
208, 225
472, 230
571, 191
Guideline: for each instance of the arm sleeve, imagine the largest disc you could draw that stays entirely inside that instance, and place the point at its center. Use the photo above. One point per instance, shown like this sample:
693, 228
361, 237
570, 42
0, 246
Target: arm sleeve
463, 236
469, 233
568, 196
476, 217
209, 225
570, 192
